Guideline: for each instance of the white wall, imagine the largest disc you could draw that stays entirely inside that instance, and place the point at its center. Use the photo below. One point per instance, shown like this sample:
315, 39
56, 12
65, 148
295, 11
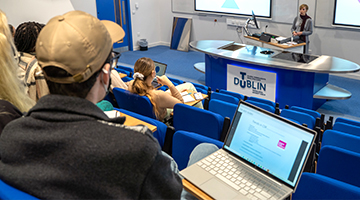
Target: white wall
153, 21
146, 22
19, 11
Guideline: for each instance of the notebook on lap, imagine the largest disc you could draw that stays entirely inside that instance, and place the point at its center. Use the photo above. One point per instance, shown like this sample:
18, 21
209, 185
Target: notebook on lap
262, 158
160, 69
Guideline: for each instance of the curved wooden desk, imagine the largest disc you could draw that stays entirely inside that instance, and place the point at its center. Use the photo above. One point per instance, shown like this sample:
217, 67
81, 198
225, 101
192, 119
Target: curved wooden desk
297, 79
283, 47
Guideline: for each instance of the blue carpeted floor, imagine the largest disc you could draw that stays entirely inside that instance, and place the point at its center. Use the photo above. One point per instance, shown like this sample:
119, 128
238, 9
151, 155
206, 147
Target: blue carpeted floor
181, 65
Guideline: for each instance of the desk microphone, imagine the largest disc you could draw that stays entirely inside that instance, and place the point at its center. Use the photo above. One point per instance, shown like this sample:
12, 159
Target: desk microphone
266, 27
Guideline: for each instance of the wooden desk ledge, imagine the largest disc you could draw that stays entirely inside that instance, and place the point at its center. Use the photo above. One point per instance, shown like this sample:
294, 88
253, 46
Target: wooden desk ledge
195, 190
132, 121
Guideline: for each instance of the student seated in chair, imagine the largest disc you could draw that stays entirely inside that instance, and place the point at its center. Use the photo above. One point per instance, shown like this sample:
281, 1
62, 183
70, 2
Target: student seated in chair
65, 147
163, 102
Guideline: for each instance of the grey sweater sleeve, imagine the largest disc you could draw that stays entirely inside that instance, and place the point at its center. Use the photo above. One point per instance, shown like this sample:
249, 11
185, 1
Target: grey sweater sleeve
293, 27
162, 180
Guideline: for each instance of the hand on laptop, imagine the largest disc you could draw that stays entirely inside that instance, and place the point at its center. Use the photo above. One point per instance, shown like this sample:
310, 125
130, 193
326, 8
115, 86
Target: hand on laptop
163, 80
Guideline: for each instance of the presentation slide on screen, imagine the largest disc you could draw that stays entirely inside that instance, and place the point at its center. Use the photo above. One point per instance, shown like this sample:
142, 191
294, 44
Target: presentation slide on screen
347, 12
266, 142
239, 7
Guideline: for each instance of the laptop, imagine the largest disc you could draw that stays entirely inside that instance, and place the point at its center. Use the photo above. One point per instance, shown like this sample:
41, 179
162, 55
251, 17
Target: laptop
262, 158
160, 69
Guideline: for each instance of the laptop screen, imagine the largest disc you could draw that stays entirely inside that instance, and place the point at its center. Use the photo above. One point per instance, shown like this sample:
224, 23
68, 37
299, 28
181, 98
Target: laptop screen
269, 142
160, 68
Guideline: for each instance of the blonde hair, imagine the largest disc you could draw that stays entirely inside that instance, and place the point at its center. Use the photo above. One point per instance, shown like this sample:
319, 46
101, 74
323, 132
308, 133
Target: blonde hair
11, 88
4, 29
304, 6
145, 66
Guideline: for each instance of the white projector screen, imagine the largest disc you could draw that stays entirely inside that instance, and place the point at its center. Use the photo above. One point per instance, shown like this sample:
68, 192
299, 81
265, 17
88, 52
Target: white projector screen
346, 13
261, 8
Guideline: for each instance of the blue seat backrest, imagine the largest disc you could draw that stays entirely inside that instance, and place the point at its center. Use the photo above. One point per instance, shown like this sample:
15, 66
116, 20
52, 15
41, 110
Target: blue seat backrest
199, 86
339, 164
133, 102
305, 110
316, 186
160, 132
127, 79
183, 144
176, 81
234, 94
262, 105
347, 121
193, 119
224, 97
265, 101
222, 108
125, 70
9, 192
299, 116
347, 128
342, 140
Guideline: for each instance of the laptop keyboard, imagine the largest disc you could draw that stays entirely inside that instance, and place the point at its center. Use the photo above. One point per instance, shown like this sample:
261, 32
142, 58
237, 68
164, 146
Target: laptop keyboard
236, 175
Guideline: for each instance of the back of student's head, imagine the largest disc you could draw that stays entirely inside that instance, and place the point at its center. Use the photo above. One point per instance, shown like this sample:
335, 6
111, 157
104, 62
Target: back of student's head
11, 88
72, 49
142, 70
26, 35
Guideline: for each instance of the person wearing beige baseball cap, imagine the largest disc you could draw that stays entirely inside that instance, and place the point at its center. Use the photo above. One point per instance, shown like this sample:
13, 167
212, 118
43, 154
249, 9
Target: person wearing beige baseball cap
65, 147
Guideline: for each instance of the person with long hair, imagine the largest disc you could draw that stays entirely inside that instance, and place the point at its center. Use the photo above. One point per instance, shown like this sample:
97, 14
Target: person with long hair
163, 102
4, 29
303, 26
13, 100
29, 70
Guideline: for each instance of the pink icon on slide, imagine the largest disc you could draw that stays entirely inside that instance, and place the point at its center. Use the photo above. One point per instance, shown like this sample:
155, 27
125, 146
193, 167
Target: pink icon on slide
281, 144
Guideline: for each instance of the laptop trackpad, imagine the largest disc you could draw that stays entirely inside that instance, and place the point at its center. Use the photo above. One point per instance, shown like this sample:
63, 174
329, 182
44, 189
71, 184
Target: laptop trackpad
220, 190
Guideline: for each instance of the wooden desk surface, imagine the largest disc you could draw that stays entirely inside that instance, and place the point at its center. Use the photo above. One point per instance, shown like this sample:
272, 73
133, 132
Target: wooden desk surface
195, 190
132, 121
191, 103
283, 46
122, 75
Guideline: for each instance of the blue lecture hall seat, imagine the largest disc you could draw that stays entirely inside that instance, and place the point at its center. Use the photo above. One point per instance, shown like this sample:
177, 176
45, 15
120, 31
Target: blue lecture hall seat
347, 128
133, 102
222, 108
347, 121
125, 70
265, 101
305, 110
224, 97
8, 192
300, 117
262, 105
342, 140
234, 94
176, 81
127, 79
199, 86
183, 144
339, 164
316, 186
159, 134
193, 119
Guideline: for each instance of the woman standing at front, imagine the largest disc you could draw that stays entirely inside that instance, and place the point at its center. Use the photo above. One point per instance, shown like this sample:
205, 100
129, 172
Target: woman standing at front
303, 26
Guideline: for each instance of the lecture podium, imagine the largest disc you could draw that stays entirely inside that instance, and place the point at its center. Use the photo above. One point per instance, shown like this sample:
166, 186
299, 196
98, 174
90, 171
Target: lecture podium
289, 78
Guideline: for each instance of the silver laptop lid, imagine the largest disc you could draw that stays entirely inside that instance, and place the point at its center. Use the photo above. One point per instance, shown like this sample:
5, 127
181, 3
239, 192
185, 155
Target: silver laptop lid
160, 68
266, 141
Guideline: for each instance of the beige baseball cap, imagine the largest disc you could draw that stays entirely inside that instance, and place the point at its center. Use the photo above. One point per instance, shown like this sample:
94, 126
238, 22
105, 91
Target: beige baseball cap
78, 43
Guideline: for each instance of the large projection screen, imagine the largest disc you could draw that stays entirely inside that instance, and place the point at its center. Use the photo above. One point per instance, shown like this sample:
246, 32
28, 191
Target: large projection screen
261, 8
346, 13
